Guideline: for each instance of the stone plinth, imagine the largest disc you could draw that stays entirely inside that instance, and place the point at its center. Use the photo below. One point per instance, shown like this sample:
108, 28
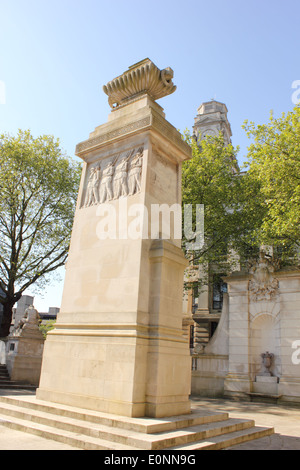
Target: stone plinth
266, 385
117, 345
25, 350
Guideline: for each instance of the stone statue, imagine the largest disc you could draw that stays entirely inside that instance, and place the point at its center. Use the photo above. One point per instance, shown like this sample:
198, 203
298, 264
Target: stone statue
106, 190
89, 192
135, 172
92, 188
120, 179
31, 319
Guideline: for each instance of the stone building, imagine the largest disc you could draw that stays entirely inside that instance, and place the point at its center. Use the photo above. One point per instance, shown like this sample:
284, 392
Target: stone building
205, 307
212, 119
255, 351
244, 330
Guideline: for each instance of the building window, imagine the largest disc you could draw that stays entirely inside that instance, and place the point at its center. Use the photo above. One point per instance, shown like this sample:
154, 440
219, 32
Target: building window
195, 294
213, 327
191, 336
219, 288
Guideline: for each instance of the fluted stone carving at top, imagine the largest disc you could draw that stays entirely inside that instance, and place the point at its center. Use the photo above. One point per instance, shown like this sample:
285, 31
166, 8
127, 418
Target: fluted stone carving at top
141, 78
120, 176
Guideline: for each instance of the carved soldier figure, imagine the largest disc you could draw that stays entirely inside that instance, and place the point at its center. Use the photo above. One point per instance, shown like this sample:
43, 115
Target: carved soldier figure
135, 172
106, 192
89, 192
92, 188
120, 179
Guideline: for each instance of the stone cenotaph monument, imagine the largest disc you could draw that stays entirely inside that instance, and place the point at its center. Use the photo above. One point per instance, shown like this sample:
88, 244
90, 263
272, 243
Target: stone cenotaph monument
118, 345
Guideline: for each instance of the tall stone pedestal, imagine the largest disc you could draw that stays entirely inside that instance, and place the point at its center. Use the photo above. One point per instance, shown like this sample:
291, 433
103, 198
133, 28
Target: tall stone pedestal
118, 346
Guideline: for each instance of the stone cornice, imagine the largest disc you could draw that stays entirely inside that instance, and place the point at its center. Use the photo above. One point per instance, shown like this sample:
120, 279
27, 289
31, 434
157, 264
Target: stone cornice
106, 137
152, 120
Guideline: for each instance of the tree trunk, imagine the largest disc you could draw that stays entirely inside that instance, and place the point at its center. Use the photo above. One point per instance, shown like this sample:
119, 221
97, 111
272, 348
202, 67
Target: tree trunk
6, 318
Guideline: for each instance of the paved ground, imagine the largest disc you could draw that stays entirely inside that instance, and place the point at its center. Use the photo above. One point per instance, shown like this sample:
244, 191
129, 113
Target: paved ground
285, 420
17, 440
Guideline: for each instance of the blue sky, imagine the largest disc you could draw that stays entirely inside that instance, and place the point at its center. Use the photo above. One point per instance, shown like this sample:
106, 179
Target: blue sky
56, 56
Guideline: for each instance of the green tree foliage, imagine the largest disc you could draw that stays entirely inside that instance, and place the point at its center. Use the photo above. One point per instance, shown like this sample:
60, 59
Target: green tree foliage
244, 210
274, 168
38, 192
213, 178
46, 327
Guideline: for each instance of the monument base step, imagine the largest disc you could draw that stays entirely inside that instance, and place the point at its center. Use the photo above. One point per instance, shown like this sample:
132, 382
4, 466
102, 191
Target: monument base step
85, 429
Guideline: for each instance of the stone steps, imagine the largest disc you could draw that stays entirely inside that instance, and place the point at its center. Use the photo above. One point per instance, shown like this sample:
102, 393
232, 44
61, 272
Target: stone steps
16, 385
3, 371
67, 437
264, 397
7, 383
143, 425
227, 440
99, 431
4, 376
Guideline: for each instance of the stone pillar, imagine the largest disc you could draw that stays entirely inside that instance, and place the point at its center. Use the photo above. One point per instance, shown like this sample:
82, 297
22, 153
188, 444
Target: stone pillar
289, 288
117, 345
187, 318
201, 315
238, 382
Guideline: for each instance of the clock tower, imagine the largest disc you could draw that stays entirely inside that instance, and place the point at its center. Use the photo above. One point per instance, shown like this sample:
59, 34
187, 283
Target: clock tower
212, 119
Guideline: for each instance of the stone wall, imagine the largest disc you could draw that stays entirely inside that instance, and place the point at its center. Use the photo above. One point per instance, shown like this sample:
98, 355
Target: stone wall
261, 316
210, 366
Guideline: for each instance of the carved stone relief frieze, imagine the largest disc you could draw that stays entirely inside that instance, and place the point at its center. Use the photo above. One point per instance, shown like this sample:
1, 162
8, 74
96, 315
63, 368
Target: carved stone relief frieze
263, 285
115, 177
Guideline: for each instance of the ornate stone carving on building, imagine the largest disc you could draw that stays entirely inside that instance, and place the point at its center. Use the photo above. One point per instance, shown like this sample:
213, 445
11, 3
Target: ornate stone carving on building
114, 178
141, 78
267, 360
263, 285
